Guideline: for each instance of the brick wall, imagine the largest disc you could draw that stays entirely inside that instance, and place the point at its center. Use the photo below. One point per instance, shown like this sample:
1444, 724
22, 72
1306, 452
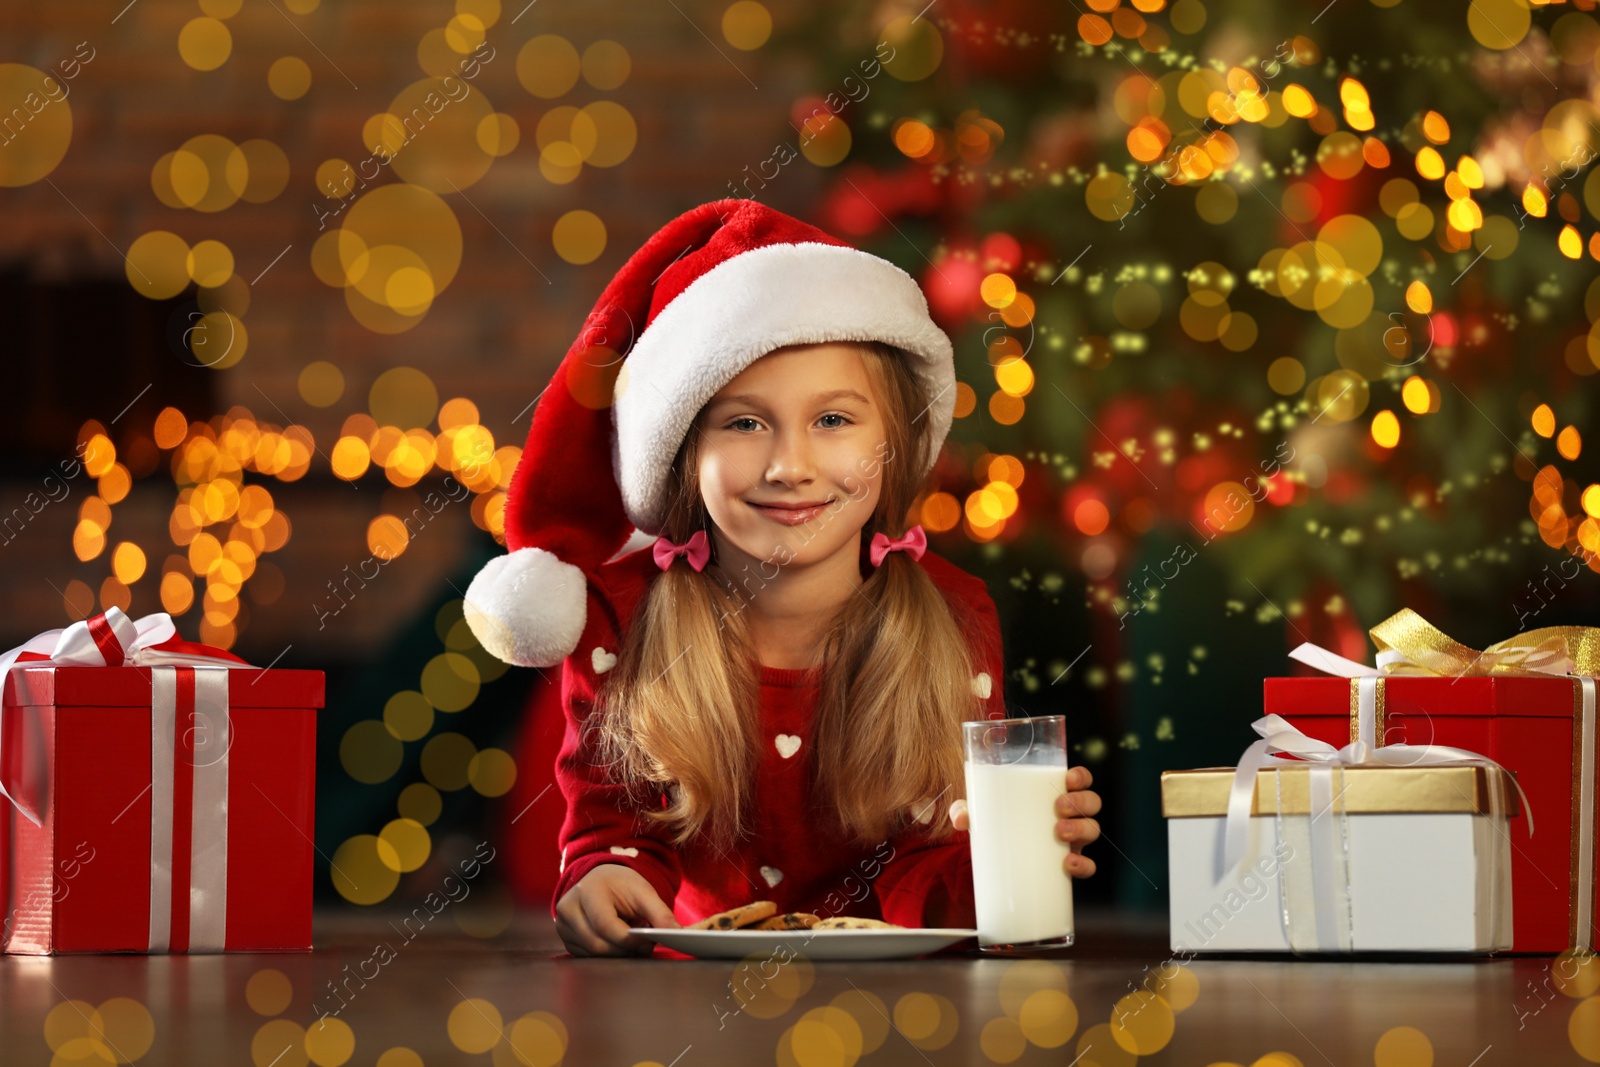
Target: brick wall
494, 335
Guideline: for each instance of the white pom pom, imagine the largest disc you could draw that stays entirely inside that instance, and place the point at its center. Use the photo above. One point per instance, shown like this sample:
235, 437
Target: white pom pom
527, 607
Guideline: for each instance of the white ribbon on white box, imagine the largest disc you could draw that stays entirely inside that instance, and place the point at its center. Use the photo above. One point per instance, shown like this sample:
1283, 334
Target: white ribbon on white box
1325, 894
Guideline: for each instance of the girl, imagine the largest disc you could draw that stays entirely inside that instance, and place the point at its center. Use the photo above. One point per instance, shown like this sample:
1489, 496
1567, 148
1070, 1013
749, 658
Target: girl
765, 703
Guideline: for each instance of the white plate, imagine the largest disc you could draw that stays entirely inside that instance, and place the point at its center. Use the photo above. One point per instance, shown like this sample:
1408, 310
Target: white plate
812, 944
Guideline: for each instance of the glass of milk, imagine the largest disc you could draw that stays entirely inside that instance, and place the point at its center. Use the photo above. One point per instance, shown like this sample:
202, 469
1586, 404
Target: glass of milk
1015, 770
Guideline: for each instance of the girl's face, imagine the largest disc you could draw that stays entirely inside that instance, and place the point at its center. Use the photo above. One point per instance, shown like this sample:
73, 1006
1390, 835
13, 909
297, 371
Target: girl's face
791, 462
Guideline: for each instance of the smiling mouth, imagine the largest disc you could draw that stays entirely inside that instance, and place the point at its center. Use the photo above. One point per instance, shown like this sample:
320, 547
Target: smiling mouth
790, 516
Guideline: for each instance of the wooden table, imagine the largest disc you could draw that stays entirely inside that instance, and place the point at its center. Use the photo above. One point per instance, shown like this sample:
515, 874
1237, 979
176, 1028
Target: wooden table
682, 1013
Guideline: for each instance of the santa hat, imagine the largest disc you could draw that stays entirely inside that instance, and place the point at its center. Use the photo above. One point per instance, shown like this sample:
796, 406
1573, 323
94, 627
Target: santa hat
711, 292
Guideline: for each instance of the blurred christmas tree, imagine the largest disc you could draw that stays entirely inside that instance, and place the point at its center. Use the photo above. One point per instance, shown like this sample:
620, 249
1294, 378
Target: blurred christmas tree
1301, 291
1266, 314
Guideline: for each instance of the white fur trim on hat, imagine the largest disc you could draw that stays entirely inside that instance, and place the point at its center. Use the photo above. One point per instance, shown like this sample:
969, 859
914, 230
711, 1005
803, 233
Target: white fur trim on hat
527, 607
738, 311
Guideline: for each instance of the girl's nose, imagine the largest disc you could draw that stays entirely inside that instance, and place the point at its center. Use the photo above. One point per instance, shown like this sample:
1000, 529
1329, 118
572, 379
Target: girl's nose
790, 462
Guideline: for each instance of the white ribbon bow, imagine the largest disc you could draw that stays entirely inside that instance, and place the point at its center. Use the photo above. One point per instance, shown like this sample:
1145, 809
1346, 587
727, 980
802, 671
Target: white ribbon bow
75, 646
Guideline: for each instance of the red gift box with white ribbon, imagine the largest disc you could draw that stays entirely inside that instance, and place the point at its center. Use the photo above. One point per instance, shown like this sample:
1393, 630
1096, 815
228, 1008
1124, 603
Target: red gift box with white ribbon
159, 794
1528, 703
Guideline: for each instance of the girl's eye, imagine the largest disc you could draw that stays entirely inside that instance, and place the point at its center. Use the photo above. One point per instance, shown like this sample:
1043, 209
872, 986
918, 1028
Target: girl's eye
844, 421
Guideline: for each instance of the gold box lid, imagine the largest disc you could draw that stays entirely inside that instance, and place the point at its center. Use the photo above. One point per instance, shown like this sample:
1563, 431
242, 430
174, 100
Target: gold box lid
1365, 790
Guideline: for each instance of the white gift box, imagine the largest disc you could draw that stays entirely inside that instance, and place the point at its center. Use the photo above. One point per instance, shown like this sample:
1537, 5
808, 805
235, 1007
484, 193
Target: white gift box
1389, 859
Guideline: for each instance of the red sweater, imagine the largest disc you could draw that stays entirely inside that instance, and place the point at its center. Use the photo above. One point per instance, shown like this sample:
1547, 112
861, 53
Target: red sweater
786, 860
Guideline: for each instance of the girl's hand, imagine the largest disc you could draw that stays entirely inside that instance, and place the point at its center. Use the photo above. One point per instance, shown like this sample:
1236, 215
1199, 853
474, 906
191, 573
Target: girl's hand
1077, 827
590, 917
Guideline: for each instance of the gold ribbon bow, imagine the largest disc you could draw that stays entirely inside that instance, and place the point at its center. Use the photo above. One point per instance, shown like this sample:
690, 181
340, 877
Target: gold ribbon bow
1408, 644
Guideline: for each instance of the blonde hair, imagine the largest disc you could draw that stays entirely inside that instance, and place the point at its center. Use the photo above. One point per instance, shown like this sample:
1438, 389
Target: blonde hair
680, 710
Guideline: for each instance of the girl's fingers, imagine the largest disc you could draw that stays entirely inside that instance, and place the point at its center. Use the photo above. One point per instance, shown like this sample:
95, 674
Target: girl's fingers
1077, 833
575, 932
644, 905
656, 913
1078, 802
604, 928
958, 815
1079, 778
609, 928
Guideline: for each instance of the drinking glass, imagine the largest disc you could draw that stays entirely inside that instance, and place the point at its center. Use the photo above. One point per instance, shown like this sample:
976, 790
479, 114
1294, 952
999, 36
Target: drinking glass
1015, 770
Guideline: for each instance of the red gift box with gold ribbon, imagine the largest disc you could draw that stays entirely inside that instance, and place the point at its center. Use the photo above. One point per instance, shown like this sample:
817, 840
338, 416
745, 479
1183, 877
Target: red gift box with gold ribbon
1528, 703
158, 794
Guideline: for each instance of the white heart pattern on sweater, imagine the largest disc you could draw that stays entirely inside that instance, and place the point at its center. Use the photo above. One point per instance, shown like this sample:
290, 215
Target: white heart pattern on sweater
982, 686
602, 660
772, 875
618, 850
788, 745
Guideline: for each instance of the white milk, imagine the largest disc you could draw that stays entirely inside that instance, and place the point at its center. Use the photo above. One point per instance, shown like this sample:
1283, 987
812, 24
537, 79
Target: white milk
1022, 889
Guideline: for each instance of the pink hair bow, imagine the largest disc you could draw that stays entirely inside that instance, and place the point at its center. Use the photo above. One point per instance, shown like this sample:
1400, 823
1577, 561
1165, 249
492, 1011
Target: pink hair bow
697, 550
915, 542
